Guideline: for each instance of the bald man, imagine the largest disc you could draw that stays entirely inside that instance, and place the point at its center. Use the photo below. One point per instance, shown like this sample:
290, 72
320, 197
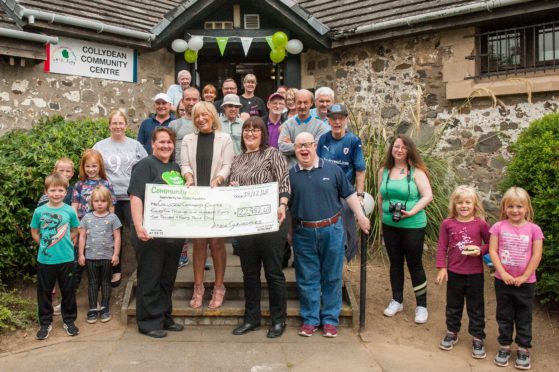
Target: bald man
318, 235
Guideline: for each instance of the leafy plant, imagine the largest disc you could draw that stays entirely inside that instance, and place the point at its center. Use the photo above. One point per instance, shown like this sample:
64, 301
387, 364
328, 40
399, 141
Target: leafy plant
535, 167
26, 157
16, 312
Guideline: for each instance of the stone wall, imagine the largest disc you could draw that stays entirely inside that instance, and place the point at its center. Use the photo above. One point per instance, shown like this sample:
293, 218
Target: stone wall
399, 85
27, 93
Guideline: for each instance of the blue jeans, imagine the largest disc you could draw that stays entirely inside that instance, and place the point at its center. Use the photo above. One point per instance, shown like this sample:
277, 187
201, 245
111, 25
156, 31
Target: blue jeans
319, 259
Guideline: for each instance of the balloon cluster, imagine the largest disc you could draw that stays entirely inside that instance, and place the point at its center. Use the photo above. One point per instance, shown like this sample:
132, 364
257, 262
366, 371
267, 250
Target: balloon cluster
189, 48
281, 45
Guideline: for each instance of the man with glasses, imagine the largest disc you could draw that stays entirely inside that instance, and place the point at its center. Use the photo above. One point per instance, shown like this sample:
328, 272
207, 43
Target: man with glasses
231, 122
318, 235
302, 122
276, 105
176, 91
229, 86
343, 148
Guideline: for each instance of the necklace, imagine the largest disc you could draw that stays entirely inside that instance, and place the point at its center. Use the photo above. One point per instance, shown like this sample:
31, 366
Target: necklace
402, 170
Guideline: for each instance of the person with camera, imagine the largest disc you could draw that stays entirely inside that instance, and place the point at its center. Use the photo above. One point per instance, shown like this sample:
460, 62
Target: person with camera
404, 192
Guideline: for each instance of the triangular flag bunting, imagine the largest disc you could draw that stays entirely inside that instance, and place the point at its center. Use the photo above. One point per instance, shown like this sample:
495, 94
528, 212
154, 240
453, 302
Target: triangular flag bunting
246, 41
270, 43
221, 43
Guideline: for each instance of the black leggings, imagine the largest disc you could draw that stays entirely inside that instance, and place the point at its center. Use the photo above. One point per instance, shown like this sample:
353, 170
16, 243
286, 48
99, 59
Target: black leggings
122, 211
99, 273
406, 244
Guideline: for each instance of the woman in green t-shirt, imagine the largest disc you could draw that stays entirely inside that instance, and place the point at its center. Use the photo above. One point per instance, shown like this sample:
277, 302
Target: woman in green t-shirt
404, 193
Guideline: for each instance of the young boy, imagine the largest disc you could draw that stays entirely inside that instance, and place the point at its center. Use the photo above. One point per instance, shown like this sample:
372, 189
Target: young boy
54, 227
64, 167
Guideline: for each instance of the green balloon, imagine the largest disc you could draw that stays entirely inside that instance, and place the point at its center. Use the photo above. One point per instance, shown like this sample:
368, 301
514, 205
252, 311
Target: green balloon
279, 39
190, 56
277, 55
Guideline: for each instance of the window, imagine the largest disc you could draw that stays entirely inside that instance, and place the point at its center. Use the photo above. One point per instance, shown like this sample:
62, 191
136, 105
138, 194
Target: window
517, 50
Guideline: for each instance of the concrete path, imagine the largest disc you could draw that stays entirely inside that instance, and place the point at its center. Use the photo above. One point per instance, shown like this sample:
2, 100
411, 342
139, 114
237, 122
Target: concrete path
201, 348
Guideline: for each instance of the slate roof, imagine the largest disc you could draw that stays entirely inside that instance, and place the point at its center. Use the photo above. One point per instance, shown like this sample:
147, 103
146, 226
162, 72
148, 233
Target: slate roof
6, 21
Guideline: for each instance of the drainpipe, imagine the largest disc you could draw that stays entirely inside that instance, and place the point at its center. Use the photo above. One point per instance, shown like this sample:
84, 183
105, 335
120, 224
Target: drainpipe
439, 14
33, 15
22, 35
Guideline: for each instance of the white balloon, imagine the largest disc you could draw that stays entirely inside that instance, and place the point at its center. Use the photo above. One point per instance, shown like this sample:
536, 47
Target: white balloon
196, 43
179, 45
368, 203
294, 46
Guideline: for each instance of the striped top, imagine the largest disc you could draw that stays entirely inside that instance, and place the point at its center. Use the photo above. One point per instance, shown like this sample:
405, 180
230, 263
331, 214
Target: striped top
254, 168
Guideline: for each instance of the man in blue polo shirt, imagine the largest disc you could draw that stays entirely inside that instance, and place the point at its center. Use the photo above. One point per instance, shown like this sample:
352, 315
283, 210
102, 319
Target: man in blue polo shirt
343, 148
318, 235
162, 117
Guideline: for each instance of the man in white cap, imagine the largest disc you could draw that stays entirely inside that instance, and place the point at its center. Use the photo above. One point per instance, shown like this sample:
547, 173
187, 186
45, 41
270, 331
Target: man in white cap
175, 91
230, 121
162, 117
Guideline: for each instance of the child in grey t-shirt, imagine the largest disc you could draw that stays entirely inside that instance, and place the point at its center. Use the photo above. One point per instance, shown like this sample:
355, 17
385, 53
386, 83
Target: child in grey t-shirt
99, 249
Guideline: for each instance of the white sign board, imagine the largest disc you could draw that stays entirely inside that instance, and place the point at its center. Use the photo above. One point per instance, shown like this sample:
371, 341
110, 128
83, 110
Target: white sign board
205, 212
84, 58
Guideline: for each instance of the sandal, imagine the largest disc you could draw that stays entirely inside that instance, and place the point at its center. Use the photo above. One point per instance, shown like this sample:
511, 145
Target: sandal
197, 296
217, 297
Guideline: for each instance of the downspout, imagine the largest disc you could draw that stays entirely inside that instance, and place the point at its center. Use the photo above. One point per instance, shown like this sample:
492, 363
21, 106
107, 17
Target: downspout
439, 14
22, 35
33, 15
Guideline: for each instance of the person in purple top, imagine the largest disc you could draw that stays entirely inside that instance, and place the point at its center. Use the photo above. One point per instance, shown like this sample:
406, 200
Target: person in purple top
463, 240
276, 106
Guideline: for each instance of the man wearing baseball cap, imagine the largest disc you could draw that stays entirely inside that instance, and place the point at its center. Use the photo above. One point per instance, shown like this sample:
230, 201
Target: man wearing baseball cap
230, 121
274, 118
162, 117
343, 148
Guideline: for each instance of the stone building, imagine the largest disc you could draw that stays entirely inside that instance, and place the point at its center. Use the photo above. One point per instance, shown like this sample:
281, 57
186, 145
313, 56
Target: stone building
469, 74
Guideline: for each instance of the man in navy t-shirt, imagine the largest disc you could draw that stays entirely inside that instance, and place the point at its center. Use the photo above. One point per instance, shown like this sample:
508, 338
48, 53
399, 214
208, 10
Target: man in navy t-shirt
343, 148
318, 235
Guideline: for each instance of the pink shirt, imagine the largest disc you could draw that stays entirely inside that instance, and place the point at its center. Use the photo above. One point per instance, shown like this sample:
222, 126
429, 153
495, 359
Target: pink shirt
515, 246
454, 235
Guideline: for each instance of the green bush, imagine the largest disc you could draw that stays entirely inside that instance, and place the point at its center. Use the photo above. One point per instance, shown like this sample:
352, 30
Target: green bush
15, 312
535, 167
26, 157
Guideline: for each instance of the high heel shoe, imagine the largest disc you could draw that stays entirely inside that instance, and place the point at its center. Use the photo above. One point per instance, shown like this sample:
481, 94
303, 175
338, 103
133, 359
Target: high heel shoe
217, 297
197, 296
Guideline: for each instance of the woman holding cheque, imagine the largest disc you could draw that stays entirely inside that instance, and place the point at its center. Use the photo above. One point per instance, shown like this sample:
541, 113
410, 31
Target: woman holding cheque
206, 157
157, 257
258, 164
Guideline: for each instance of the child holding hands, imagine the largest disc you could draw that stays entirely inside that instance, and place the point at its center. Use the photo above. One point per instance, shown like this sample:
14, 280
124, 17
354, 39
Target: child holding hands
463, 239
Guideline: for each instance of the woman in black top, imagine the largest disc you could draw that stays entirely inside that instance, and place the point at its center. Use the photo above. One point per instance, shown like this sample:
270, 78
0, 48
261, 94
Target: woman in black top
259, 164
157, 257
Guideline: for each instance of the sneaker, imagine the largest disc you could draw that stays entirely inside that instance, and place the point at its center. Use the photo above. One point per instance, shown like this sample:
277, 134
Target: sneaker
105, 316
307, 330
449, 340
57, 310
71, 329
502, 357
183, 261
421, 315
394, 307
43, 332
522, 359
328, 330
92, 316
478, 350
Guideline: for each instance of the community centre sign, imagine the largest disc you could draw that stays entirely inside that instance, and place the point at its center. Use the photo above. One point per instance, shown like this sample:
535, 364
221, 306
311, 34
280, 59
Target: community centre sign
84, 58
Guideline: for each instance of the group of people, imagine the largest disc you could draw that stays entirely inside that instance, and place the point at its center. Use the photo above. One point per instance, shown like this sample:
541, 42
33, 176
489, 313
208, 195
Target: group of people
320, 170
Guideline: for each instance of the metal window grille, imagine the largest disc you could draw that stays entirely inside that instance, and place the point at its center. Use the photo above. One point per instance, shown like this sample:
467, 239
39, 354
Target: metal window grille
517, 50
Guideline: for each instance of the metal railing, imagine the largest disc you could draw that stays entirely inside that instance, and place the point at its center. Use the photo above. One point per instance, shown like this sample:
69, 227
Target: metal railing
517, 50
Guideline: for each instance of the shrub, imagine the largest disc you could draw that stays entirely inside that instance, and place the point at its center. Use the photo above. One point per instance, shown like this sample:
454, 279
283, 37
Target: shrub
26, 157
535, 167
15, 312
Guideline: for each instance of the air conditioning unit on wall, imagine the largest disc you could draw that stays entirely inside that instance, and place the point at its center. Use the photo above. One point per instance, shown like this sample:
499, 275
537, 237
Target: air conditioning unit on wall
252, 21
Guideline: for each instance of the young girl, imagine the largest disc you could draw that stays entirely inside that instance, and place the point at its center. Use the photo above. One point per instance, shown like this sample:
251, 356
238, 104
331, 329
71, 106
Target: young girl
92, 174
99, 249
463, 239
515, 247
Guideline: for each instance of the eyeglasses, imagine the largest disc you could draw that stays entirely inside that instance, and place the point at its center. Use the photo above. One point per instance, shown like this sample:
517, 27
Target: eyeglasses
181, 110
306, 145
402, 148
252, 130
229, 106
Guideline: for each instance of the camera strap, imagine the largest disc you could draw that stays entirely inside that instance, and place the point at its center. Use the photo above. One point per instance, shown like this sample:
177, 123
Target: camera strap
409, 189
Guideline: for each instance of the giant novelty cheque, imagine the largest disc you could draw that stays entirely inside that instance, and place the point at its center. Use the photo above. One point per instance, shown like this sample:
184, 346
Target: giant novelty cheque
205, 212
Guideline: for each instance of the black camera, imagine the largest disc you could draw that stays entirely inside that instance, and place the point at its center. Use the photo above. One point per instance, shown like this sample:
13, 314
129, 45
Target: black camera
396, 210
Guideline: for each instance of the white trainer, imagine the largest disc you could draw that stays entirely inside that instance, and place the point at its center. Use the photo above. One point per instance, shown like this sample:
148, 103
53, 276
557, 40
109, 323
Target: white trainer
393, 308
421, 315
